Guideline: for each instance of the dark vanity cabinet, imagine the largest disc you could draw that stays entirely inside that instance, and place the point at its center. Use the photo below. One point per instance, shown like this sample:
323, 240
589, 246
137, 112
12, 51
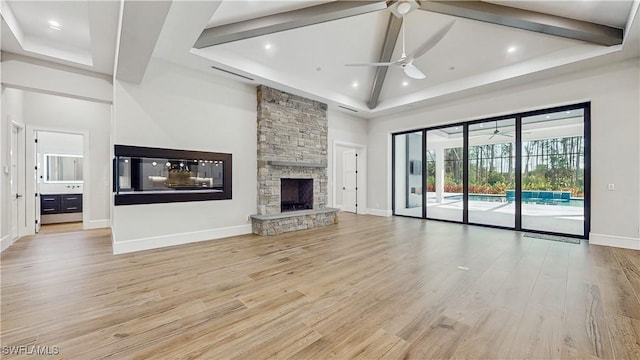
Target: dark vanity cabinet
60, 204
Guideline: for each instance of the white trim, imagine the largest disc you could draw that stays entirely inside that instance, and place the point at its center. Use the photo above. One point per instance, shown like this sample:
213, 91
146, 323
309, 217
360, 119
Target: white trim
17, 124
6, 241
379, 212
614, 241
96, 224
155, 242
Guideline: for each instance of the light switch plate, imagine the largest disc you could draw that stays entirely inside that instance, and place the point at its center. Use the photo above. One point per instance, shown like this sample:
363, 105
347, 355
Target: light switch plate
611, 187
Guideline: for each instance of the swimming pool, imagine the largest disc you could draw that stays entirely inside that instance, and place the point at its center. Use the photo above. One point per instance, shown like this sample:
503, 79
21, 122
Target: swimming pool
578, 202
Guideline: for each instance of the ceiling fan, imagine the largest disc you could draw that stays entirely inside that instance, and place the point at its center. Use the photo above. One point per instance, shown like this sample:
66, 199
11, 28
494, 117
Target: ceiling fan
497, 132
406, 61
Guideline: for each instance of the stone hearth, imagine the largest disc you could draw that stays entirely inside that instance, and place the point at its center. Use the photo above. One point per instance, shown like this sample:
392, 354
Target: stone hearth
292, 144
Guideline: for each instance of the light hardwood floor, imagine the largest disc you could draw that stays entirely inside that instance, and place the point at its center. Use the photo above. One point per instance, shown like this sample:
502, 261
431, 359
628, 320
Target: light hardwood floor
369, 287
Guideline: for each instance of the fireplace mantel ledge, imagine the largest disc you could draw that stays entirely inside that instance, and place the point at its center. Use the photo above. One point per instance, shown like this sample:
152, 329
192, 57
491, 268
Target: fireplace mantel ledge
294, 214
295, 164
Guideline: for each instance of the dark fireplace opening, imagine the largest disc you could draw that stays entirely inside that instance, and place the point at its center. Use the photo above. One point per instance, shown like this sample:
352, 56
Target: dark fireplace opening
296, 194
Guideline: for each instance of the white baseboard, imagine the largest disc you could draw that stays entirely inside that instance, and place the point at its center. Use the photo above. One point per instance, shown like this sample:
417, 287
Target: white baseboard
96, 224
6, 241
615, 241
379, 212
121, 247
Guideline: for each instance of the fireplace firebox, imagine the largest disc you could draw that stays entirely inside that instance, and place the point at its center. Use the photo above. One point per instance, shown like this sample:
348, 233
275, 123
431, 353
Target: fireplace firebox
296, 194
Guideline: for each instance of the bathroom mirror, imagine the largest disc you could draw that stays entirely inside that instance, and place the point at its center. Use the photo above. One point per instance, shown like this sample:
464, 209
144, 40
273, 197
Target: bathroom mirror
63, 168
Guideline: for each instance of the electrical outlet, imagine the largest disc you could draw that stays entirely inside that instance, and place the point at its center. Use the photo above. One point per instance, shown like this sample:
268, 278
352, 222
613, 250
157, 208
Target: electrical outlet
611, 187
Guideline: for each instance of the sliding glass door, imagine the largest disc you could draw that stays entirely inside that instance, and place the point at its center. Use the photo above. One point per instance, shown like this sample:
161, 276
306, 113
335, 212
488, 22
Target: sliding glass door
527, 171
492, 164
408, 174
553, 172
444, 173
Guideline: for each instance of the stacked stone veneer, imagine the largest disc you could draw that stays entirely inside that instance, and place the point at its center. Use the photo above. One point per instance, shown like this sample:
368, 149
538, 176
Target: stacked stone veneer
291, 130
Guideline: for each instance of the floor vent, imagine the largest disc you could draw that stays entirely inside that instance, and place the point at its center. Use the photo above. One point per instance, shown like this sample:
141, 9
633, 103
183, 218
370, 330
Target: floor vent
565, 239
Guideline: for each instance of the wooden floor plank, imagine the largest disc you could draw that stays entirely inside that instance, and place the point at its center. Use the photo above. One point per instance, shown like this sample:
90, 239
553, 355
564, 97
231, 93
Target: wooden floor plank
366, 288
625, 333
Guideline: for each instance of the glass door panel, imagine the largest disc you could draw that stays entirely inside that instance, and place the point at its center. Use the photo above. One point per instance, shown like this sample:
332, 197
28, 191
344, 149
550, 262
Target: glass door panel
553, 172
408, 174
492, 166
444, 179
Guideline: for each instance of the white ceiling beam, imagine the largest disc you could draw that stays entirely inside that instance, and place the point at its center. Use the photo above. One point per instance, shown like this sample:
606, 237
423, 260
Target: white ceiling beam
527, 20
142, 22
286, 21
389, 44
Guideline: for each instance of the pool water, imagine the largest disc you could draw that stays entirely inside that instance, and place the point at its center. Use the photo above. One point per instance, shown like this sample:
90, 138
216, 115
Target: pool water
503, 198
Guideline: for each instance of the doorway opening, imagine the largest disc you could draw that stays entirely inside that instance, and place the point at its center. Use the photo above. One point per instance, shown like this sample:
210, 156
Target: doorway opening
59, 174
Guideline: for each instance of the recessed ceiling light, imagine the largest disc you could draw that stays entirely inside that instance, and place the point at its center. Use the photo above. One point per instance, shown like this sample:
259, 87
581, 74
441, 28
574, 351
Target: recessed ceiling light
568, 112
512, 49
54, 25
354, 84
405, 83
548, 117
267, 46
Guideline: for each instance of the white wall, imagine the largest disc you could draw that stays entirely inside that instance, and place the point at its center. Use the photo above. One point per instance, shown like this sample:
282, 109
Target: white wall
11, 111
344, 129
93, 120
179, 108
613, 91
50, 142
32, 74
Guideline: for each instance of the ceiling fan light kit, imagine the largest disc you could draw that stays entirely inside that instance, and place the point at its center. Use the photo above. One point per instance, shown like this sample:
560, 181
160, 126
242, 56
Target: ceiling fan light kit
403, 7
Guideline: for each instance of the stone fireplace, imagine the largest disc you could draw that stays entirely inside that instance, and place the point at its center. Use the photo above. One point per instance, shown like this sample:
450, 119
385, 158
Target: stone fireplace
296, 194
292, 164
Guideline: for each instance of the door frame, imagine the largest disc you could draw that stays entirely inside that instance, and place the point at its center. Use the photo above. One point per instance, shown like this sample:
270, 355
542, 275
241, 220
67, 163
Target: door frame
586, 106
361, 192
31, 180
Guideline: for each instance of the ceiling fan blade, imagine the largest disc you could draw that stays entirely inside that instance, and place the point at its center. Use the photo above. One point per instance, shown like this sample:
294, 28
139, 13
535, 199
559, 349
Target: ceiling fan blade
506, 135
492, 136
432, 41
413, 72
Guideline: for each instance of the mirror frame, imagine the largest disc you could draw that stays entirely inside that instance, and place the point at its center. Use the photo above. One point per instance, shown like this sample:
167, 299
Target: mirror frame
45, 170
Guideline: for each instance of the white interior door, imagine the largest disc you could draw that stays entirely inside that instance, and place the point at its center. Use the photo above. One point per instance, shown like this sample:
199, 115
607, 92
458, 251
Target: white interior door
38, 178
350, 181
15, 178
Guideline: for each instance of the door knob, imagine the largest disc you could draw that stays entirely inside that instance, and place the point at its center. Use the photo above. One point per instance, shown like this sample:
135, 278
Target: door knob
18, 196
